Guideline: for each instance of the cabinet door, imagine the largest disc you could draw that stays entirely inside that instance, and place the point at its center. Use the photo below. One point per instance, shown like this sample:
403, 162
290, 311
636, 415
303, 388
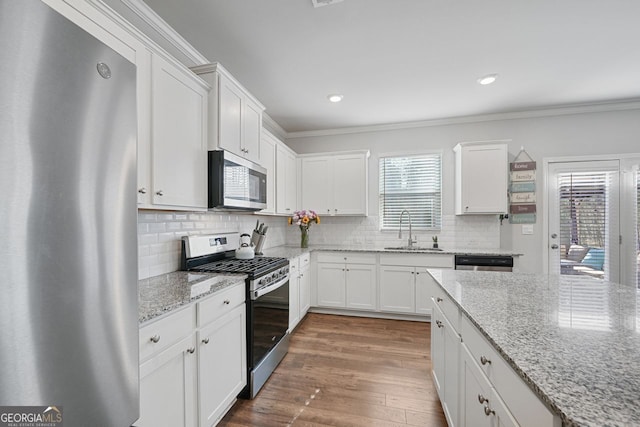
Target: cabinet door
331, 285
291, 182
476, 394
483, 178
437, 350
143, 92
251, 130
294, 299
230, 116
221, 364
425, 286
168, 386
179, 109
305, 291
316, 181
350, 184
361, 287
268, 161
397, 289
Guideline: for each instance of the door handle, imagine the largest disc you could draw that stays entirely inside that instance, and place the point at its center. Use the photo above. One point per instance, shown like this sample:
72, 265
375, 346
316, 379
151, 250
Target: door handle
554, 246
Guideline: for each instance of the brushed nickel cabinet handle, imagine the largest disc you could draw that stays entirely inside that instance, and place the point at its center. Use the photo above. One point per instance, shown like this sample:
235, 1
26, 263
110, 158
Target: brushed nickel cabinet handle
191, 350
488, 411
439, 323
160, 193
205, 341
226, 302
155, 338
482, 399
142, 190
484, 360
439, 299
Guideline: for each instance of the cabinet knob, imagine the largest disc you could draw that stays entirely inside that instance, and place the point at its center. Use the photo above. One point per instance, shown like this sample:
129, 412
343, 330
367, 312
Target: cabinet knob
336, 210
155, 338
439, 323
301, 275
142, 190
484, 360
439, 299
482, 399
554, 246
205, 341
191, 350
226, 302
160, 193
488, 411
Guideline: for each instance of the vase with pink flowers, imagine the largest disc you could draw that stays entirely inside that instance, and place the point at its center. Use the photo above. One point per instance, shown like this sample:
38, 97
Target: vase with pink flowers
304, 219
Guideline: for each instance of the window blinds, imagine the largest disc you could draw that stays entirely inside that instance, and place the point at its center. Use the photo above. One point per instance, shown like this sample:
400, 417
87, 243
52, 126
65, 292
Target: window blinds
412, 183
585, 216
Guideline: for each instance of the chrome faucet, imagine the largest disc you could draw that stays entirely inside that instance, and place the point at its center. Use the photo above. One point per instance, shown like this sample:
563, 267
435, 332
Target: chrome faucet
410, 242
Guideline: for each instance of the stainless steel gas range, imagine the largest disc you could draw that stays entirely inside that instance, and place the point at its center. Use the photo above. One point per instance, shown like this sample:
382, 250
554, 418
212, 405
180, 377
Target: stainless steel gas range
267, 288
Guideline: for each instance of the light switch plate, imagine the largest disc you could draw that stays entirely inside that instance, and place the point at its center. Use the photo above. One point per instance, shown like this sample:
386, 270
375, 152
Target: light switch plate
527, 228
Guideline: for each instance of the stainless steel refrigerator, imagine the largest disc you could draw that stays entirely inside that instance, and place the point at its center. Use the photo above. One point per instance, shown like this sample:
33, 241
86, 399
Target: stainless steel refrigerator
68, 220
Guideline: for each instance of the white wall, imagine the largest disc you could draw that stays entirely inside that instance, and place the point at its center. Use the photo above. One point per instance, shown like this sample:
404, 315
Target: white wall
612, 132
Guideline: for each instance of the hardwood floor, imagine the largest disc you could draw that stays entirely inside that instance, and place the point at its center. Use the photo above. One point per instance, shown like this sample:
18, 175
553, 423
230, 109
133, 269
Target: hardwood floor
348, 371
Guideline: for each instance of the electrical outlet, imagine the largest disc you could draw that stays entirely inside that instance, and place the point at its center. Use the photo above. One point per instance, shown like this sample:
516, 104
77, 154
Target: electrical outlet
527, 228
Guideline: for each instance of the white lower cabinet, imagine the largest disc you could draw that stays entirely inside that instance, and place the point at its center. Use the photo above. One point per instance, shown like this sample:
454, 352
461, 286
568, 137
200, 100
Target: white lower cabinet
193, 362
475, 384
221, 367
346, 281
405, 285
168, 386
445, 360
299, 289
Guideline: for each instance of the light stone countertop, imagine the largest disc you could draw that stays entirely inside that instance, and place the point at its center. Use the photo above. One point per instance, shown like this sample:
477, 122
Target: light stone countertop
574, 340
161, 294
294, 251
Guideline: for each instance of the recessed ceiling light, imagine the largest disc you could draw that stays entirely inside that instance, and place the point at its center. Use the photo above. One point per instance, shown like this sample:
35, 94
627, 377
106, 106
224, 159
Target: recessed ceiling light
488, 79
335, 97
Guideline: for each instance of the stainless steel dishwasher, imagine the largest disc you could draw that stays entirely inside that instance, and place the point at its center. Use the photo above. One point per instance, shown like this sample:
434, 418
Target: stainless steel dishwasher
484, 262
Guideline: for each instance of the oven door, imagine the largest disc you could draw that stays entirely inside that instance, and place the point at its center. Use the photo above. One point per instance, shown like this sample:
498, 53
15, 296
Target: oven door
269, 319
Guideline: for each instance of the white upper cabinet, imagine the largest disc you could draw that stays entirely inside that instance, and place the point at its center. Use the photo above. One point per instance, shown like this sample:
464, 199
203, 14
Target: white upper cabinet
336, 183
286, 180
235, 118
178, 137
481, 178
268, 144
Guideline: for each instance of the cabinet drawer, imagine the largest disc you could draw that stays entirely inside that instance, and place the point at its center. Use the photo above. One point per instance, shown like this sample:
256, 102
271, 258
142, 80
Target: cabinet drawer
220, 304
347, 257
166, 331
448, 307
294, 264
525, 406
418, 260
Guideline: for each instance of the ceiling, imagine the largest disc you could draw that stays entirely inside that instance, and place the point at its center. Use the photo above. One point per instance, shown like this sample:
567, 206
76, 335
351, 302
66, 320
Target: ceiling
412, 60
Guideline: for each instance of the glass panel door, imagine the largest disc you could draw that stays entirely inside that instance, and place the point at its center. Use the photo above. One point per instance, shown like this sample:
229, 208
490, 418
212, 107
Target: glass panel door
584, 219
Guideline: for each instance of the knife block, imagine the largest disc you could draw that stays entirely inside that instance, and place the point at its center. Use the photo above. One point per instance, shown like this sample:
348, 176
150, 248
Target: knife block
260, 244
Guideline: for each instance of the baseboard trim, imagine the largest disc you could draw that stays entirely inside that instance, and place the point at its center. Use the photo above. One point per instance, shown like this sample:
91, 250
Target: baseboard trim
371, 314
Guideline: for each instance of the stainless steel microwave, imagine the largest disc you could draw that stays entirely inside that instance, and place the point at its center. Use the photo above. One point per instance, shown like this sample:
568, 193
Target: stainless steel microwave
236, 183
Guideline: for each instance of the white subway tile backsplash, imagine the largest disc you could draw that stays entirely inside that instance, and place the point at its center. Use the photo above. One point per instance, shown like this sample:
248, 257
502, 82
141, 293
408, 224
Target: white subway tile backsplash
159, 234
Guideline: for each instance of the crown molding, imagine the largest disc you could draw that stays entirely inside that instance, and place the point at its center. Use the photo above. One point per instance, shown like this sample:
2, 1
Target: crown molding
269, 124
151, 18
631, 104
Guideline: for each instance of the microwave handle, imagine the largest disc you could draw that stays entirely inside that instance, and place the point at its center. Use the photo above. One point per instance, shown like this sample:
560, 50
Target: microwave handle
270, 288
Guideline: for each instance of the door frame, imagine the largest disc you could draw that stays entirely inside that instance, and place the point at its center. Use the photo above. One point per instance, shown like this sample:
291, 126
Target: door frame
627, 164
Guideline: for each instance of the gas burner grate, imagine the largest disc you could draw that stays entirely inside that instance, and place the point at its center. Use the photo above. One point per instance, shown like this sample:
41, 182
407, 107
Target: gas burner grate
255, 266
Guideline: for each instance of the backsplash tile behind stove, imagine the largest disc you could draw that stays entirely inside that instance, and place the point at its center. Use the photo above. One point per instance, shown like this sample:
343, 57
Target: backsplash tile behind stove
159, 234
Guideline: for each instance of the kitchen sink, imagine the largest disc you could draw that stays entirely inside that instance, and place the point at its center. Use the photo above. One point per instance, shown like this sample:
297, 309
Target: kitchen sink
412, 248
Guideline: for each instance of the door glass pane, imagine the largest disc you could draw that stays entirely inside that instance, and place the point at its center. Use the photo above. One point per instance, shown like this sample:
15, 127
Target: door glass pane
585, 217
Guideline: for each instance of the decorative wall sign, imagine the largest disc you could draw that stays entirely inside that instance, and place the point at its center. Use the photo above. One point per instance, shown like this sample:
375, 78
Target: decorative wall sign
522, 189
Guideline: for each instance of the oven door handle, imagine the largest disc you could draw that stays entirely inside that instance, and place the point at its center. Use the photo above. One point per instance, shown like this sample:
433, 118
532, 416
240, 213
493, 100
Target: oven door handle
269, 288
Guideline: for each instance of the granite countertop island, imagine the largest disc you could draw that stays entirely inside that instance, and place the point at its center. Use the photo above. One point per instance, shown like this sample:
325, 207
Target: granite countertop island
161, 294
574, 340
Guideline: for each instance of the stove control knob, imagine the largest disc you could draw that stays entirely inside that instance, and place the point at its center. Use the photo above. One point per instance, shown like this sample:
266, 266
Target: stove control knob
274, 276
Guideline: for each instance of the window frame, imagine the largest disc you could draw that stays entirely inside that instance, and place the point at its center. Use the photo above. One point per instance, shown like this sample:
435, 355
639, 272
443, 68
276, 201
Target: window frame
400, 154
